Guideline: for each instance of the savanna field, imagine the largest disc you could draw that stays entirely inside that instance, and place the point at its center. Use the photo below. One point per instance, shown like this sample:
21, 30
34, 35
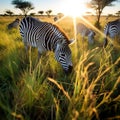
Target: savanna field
45, 92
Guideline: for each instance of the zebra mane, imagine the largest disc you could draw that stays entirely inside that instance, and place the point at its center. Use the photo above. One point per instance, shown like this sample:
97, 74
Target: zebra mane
118, 19
114, 21
31, 19
62, 32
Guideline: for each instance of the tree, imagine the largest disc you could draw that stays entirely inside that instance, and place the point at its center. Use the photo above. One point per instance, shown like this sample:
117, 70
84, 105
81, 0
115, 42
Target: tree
40, 12
60, 15
48, 12
108, 16
99, 5
32, 14
8, 12
118, 14
88, 13
24, 6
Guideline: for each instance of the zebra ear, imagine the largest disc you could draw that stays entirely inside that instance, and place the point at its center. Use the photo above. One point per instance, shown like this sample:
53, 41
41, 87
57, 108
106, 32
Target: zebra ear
71, 41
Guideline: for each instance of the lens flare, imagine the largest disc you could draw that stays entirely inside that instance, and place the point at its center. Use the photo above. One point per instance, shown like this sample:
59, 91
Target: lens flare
74, 8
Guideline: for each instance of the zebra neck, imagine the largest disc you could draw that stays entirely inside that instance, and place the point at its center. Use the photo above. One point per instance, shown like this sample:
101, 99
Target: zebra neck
60, 41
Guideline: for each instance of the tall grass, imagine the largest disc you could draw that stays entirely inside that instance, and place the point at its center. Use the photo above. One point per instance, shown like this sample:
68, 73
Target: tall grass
44, 92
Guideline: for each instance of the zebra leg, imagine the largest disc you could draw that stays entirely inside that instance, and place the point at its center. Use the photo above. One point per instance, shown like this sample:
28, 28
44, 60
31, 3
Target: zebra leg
38, 60
26, 50
40, 51
105, 42
26, 46
90, 40
82, 39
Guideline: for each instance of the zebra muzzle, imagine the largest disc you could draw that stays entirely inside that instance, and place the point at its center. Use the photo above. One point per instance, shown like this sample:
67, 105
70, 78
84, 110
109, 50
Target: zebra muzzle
69, 69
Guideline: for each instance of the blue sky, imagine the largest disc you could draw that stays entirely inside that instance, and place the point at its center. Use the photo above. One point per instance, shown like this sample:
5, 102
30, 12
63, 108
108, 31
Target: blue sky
54, 5
38, 4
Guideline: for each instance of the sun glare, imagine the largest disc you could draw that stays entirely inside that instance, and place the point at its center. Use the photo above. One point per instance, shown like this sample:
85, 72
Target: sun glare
74, 8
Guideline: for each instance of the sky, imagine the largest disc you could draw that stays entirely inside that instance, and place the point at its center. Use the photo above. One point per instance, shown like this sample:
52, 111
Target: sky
56, 6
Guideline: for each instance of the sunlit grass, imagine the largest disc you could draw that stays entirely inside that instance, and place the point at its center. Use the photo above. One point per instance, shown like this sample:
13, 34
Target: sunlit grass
44, 92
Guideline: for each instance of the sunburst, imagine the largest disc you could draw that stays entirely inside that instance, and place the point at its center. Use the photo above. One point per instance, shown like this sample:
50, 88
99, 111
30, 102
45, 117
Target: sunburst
73, 8
76, 8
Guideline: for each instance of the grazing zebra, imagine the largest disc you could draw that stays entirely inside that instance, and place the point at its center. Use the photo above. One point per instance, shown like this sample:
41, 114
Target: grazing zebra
111, 29
55, 18
47, 37
14, 24
85, 32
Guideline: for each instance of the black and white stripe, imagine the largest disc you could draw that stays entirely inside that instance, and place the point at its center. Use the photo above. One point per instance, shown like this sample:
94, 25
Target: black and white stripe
111, 29
14, 24
47, 37
85, 32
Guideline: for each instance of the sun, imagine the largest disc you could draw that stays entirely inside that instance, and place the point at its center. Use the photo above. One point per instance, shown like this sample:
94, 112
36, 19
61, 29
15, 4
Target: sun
74, 8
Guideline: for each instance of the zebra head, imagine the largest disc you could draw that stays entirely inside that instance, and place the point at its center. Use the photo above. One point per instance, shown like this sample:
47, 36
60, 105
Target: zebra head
63, 56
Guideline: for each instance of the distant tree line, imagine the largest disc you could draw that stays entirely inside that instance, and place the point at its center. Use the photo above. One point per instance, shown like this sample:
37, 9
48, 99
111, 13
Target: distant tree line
26, 6
97, 5
41, 12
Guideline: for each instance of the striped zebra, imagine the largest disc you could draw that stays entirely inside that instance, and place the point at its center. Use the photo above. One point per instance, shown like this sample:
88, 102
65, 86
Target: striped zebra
14, 24
47, 37
111, 29
85, 32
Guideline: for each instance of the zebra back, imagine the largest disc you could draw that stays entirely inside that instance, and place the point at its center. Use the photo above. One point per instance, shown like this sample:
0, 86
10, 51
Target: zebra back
82, 29
48, 32
111, 29
85, 32
61, 32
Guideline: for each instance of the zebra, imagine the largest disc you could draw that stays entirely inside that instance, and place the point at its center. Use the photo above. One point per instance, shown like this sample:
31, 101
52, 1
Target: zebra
56, 18
14, 24
47, 37
111, 29
85, 32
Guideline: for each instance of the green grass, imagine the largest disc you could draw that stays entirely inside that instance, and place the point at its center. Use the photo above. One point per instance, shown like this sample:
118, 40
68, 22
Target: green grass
90, 92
